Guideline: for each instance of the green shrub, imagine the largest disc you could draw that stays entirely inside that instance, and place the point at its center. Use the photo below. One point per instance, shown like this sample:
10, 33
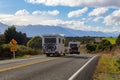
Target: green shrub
1, 43
35, 43
91, 47
118, 40
97, 47
21, 51
5, 52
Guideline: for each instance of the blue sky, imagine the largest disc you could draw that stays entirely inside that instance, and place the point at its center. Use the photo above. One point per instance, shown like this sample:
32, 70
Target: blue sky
91, 15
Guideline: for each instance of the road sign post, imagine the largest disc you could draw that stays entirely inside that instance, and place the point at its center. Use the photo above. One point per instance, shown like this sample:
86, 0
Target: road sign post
13, 55
13, 48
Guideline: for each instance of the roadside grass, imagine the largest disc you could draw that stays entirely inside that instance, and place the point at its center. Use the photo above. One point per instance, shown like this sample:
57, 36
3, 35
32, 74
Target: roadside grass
112, 40
108, 68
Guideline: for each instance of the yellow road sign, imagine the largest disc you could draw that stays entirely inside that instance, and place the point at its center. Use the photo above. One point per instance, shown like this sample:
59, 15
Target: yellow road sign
13, 49
13, 42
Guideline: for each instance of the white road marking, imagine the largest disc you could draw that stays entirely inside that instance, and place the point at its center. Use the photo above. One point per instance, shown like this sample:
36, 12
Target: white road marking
79, 70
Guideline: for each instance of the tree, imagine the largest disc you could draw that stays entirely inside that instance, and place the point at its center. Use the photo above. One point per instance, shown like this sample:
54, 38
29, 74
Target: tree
11, 33
91, 47
118, 41
35, 42
1, 43
106, 45
2, 38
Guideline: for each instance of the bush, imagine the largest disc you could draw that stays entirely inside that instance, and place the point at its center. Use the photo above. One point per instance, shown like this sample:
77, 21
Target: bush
35, 43
5, 52
118, 41
1, 46
91, 47
21, 51
102, 46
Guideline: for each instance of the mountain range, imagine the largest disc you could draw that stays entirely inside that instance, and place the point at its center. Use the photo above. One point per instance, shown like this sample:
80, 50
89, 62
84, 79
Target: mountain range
34, 30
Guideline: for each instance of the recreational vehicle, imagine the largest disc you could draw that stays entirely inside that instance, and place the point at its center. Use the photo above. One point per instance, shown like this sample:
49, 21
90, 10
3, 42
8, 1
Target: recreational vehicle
74, 47
53, 44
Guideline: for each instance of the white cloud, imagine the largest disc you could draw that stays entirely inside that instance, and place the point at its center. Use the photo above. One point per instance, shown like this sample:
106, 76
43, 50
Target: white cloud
77, 13
21, 20
22, 12
98, 11
37, 20
113, 18
72, 3
54, 12
11, 19
97, 19
23, 17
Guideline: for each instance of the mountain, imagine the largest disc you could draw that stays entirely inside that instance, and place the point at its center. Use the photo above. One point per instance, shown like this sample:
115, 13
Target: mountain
3, 27
33, 30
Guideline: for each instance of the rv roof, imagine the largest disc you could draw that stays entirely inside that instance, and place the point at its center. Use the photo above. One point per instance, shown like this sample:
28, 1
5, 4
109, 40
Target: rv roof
52, 35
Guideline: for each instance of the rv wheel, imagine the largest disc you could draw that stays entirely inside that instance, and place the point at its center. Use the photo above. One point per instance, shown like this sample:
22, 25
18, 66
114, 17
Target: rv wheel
63, 54
47, 55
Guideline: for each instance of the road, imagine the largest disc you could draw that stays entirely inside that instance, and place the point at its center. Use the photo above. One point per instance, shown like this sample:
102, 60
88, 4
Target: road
70, 67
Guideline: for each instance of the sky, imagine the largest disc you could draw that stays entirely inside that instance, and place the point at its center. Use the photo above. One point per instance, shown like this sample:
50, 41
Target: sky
87, 15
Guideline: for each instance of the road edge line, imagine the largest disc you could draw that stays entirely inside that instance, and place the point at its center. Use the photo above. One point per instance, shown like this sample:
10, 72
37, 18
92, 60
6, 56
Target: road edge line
79, 70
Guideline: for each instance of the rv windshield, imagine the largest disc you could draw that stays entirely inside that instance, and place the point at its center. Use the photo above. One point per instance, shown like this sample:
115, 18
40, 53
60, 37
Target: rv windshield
50, 40
73, 45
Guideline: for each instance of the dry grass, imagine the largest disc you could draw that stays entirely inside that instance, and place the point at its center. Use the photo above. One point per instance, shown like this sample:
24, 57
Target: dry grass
108, 68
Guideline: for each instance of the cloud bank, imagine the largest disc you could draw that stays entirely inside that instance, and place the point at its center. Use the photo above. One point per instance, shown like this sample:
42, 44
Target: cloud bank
73, 3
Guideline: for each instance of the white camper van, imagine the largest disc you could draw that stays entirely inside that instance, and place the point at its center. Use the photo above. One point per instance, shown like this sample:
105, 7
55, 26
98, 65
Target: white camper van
53, 44
74, 47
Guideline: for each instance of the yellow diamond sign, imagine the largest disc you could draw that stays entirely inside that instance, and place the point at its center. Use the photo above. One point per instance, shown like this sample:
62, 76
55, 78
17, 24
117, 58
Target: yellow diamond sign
13, 42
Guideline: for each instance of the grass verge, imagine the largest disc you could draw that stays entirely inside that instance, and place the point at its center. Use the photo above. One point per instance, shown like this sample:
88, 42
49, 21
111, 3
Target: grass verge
108, 68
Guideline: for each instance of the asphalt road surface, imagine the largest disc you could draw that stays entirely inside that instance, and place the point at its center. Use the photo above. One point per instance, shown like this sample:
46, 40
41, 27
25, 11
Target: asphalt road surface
70, 67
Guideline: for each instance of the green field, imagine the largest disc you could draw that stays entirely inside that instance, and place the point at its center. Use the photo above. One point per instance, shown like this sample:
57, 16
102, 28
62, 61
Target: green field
112, 40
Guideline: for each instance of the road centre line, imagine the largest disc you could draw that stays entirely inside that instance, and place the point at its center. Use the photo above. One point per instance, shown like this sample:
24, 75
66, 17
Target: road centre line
79, 70
27, 64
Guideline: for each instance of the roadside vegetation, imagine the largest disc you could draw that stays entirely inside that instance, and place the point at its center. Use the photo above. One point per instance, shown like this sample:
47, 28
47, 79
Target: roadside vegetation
26, 47
112, 40
108, 68
96, 47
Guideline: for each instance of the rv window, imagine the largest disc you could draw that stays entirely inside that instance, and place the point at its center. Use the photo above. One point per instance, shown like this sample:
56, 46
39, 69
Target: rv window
59, 40
63, 41
73, 45
50, 40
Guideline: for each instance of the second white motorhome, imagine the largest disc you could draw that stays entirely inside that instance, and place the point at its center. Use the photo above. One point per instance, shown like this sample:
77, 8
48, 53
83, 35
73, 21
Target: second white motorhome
74, 47
53, 44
